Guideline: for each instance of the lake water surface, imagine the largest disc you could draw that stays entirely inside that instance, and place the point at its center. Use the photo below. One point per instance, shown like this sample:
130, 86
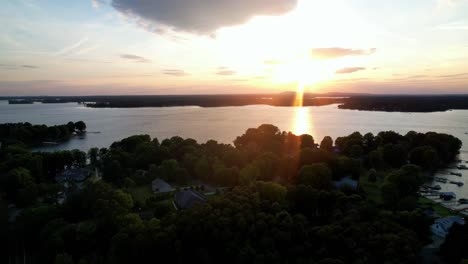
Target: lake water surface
224, 124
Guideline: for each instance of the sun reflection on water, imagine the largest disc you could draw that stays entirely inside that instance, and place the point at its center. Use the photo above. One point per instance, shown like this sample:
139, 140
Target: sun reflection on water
302, 122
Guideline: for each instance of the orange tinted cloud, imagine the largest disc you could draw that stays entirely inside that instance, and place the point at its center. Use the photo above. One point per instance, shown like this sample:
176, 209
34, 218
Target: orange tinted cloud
333, 53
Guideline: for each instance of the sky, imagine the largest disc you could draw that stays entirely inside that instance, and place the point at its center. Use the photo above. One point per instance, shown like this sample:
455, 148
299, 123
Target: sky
116, 47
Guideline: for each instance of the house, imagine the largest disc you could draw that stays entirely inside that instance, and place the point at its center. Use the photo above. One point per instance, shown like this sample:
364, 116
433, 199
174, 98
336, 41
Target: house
74, 174
187, 198
346, 182
442, 226
160, 186
447, 196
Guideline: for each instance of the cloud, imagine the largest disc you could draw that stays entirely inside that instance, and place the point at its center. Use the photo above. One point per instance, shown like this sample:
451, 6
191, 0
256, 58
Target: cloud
350, 70
17, 67
134, 58
29, 66
175, 72
457, 25
333, 53
8, 67
226, 72
453, 75
201, 16
72, 47
95, 3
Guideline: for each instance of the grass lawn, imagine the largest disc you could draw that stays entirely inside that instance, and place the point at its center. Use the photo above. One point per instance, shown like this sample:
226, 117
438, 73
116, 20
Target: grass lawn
141, 193
372, 189
438, 209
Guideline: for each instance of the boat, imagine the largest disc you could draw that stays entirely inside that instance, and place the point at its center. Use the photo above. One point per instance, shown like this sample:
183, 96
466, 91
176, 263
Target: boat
463, 201
462, 167
442, 180
447, 196
457, 183
456, 174
436, 187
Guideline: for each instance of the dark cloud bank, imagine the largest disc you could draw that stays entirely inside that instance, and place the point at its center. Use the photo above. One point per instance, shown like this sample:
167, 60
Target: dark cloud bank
201, 16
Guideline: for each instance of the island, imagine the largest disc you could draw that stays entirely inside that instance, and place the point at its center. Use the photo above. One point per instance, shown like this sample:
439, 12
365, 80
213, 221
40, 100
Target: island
351, 101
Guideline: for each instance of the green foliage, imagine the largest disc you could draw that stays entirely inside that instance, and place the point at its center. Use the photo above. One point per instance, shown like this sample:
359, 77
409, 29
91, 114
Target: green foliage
80, 126
271, 191
63, 259
327, 144
256, 218
408, 179
317, 176
203, 168
34, 134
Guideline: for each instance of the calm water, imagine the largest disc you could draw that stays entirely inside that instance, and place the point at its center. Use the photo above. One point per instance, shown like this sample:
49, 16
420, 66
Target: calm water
225, 123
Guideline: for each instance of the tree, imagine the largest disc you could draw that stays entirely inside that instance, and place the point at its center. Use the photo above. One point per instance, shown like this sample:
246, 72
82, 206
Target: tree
372, 175
424, 156
112, 171
249, 174
203, 168
407, 180
71, 126
356, 151
394, 155
93, 154
271, 191
307, 141
390, 195
327, 144
63, 259
375, 159
316, 175
81, 126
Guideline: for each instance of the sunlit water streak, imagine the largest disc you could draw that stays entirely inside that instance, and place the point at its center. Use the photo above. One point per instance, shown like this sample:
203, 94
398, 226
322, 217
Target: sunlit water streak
302, 121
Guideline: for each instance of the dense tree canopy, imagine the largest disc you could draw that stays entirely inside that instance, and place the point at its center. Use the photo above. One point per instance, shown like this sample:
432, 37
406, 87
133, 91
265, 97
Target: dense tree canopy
271, 199
37, 134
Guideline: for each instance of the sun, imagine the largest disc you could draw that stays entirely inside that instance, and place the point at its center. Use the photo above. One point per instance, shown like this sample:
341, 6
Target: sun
302, 70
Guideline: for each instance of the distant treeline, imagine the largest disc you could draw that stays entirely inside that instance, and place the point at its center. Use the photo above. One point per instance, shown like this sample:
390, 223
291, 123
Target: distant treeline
389, 103
37, 134
410, 103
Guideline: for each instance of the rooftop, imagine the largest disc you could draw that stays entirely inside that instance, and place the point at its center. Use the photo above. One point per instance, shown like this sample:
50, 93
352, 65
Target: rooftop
159, 185
188, 198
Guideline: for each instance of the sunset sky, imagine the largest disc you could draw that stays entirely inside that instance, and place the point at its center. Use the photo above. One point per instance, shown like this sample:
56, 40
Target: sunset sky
56, 47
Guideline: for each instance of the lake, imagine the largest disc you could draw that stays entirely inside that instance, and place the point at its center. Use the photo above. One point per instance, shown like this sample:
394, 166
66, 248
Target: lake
224, 124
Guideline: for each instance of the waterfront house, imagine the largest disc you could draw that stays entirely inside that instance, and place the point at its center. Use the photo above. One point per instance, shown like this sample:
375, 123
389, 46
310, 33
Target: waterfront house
188, 198
442, 226
160, 186
74, 174
346, 182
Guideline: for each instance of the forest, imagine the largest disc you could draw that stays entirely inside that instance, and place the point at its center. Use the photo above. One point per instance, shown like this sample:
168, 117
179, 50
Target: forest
34, 135
271, 197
